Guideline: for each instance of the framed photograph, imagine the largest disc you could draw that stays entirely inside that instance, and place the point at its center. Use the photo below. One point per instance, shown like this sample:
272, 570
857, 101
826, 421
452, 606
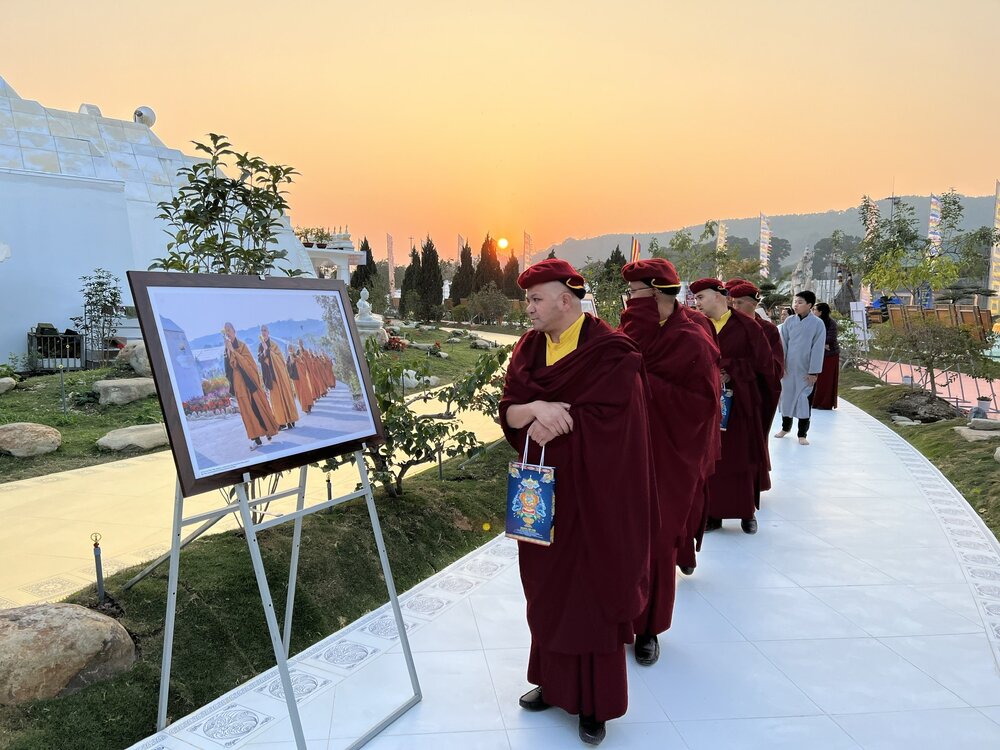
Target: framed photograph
588, 305
254, 375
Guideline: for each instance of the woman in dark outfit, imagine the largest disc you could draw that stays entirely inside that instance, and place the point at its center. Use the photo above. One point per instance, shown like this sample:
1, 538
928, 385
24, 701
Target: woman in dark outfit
825, 392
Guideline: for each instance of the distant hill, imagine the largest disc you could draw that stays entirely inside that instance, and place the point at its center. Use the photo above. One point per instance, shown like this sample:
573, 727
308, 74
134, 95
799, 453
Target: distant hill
801, 230
281, 331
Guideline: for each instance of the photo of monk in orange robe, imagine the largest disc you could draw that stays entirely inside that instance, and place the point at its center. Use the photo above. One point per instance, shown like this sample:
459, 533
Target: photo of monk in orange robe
276, 380
246, 388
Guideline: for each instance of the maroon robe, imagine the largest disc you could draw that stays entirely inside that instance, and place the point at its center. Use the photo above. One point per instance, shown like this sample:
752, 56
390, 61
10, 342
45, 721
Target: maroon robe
682, 368
746, 357
770, 393
584, 591
711, 451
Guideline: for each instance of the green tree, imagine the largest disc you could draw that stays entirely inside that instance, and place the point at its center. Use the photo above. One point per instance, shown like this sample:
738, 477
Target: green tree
363, 274
220, 224
463, 283
780, 250
488, 270
489, 305
409, 292
693, 259
102, 311
510, 273
832, 253
430, 284
616, 261
552, 253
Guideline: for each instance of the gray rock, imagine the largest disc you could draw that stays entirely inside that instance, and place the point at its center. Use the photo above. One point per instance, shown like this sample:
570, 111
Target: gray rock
135, 354
23, 439
976, 436
143, 437
481, 344
421, 347
863, 388
52, 650
443, 355
921, 406
454, 340
124, 391
7, 384
987, 425
410, 380
996, 455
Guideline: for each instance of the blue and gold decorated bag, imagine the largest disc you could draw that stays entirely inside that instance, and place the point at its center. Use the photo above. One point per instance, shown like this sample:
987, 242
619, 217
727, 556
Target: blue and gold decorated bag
531, 500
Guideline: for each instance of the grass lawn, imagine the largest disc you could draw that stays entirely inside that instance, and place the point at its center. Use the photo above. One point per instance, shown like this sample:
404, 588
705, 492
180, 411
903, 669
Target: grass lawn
221, 638
38, 400
968, 466
461, 358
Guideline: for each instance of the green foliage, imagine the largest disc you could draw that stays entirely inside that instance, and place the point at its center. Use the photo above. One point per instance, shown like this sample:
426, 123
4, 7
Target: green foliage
371, 276
412, 439
102, 310
938, 348
607, 285
488, 270
510, 273
430, 283
313, 234
895, 255
409, 292
489, 305
460, 313
462, 285
839, 251
220, 224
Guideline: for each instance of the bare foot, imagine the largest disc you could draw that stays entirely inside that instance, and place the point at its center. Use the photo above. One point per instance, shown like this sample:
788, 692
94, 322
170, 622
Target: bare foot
780, 433
803, 441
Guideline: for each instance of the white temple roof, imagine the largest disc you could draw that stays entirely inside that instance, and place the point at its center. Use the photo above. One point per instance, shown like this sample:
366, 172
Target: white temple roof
85, 144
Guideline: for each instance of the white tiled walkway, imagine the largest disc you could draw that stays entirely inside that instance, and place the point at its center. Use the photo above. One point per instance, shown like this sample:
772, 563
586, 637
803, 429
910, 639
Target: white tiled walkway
853, 619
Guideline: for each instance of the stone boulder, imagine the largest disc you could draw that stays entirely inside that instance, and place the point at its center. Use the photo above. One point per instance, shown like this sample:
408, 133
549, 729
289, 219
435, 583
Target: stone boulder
7, 384
142, 436
411, 381
421, 347
976, 436
23, 439
986, 425
920, 406
996, 455
135, 355
124, 391
52, 650
481, 344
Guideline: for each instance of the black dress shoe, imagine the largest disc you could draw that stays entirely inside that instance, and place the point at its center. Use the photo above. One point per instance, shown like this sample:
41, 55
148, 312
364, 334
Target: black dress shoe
592, 731
533, 701
687, 570
749, 525
714, 524
647, 650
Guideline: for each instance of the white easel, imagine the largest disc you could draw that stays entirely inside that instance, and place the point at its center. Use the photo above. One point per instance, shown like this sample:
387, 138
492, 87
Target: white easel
280, 642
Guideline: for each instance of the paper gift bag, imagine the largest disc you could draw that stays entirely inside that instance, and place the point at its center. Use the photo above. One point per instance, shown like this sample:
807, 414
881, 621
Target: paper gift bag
531, 500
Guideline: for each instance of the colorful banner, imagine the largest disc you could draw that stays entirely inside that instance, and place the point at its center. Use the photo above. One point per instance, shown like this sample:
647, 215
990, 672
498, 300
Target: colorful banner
527, 250
933, 226
995, 258
392, 266
635, 250
765, 246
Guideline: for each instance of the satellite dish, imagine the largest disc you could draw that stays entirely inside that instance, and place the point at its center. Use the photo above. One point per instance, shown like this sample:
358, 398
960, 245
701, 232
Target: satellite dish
144, 116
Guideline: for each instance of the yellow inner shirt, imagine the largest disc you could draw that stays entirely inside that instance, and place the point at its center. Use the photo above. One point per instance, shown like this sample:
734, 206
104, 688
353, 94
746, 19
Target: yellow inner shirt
568, 342
721, 321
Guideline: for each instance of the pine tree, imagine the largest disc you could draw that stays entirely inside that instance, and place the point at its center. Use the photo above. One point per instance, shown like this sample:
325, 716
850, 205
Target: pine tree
409, 293
462, 284
363, 276
615, 261
430, 283
489, 269
510, 273
551, 255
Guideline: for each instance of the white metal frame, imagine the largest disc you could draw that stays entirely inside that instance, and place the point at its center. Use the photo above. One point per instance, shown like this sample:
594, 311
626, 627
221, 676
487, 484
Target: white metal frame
280, 642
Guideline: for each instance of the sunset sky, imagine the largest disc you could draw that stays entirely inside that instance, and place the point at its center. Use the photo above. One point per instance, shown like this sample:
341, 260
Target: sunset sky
556, 117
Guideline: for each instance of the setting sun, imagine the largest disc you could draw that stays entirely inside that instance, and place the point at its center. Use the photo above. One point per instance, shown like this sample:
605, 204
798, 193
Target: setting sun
502, 243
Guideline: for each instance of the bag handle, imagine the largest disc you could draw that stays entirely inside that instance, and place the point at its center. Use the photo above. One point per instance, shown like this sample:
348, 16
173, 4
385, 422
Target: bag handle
524, 458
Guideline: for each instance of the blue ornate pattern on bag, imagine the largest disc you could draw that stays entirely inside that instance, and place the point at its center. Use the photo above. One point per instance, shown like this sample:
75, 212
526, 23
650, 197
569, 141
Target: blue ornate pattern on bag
530, 502
727, 406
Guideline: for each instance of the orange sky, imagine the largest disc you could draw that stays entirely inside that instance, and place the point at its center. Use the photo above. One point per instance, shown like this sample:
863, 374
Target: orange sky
556, 117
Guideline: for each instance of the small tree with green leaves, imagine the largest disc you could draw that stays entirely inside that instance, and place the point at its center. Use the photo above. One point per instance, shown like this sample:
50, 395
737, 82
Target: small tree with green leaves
462, 285
489, 305
102, 310
221, 224
430, 282
412, 439
510, 273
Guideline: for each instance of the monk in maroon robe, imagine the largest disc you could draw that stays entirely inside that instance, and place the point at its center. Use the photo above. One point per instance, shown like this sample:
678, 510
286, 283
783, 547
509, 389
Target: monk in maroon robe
682, 368
746, 356
576, 387
745, 297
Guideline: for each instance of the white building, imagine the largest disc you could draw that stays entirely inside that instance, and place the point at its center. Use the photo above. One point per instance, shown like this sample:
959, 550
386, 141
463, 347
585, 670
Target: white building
78, 191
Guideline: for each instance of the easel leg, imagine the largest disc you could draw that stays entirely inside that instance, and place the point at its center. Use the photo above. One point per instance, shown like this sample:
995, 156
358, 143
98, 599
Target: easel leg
168, 629
272, 620
293, 567
387, 572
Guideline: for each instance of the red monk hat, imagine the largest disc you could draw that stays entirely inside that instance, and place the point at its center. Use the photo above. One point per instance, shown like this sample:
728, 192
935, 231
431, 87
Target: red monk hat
659, 273
743, 288
714, 284
552, 269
